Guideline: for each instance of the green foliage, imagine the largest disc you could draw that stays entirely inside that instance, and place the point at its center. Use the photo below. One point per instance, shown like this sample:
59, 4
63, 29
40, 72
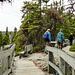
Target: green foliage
65, 26
68, 26
0, 38
6, 38
16, 52
20, 40
36, 49
35, 22
72, 48
14, 34
72, 25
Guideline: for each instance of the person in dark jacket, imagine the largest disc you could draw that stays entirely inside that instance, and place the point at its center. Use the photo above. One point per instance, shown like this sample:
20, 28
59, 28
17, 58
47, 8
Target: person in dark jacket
71, 39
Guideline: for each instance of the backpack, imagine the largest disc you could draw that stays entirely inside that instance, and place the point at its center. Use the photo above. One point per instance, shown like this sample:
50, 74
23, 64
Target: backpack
46, 39
46, 35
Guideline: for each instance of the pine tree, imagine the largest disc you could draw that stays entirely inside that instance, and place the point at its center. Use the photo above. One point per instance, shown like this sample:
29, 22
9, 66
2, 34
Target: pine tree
6, 38
14, 34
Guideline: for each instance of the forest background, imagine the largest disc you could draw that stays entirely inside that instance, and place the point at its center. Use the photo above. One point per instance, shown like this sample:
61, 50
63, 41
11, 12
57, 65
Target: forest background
36, 19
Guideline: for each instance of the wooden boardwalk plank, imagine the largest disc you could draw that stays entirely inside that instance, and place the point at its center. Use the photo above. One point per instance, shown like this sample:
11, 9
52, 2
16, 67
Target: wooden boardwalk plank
26, 67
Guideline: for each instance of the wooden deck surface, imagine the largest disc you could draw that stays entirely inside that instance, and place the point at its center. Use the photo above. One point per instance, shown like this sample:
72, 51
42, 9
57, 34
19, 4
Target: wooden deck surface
26, 67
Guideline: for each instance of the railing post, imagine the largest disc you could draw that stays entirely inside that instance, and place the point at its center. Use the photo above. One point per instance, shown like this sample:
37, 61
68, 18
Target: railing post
1, 48
67, 69
9, 64
62, 65
73, 71
0, 67
26, 50
3, 65
13, 58
50, 58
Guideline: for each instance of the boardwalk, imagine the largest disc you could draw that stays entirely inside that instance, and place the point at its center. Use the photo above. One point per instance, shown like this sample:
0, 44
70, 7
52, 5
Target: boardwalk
26, 67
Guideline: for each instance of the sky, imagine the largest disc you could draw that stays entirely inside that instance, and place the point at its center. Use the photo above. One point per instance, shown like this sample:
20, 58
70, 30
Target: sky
10, 15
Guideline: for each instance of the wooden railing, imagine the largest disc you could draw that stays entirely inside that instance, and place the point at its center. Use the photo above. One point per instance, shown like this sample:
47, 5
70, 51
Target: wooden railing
28, 49
6, 60
7, 46
66, 62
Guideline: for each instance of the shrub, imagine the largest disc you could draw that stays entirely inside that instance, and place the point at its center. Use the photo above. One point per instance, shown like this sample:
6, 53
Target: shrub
16, 52
72, 47
20, 42
36, 49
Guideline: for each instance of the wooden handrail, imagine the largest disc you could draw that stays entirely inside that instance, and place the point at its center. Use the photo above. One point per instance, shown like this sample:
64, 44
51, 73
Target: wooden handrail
6, 46
66, 64
6, 53
6, 60
56, 68
68, 58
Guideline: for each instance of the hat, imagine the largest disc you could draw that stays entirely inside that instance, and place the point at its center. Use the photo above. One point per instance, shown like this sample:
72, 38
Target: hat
60, 29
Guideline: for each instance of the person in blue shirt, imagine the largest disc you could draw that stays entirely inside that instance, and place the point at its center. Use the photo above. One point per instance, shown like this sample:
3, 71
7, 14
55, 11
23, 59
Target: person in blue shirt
47, 38
60, 39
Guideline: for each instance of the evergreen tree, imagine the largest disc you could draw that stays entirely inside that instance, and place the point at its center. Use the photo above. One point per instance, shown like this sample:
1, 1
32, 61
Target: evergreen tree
6, 38
33, 26
14, 34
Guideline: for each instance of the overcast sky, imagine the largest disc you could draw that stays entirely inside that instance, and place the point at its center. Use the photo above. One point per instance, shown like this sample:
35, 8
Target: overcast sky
10, 15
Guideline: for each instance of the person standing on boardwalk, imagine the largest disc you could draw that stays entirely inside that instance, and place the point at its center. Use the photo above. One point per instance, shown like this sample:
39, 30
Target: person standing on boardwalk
47, 38
71, 39
60, 38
